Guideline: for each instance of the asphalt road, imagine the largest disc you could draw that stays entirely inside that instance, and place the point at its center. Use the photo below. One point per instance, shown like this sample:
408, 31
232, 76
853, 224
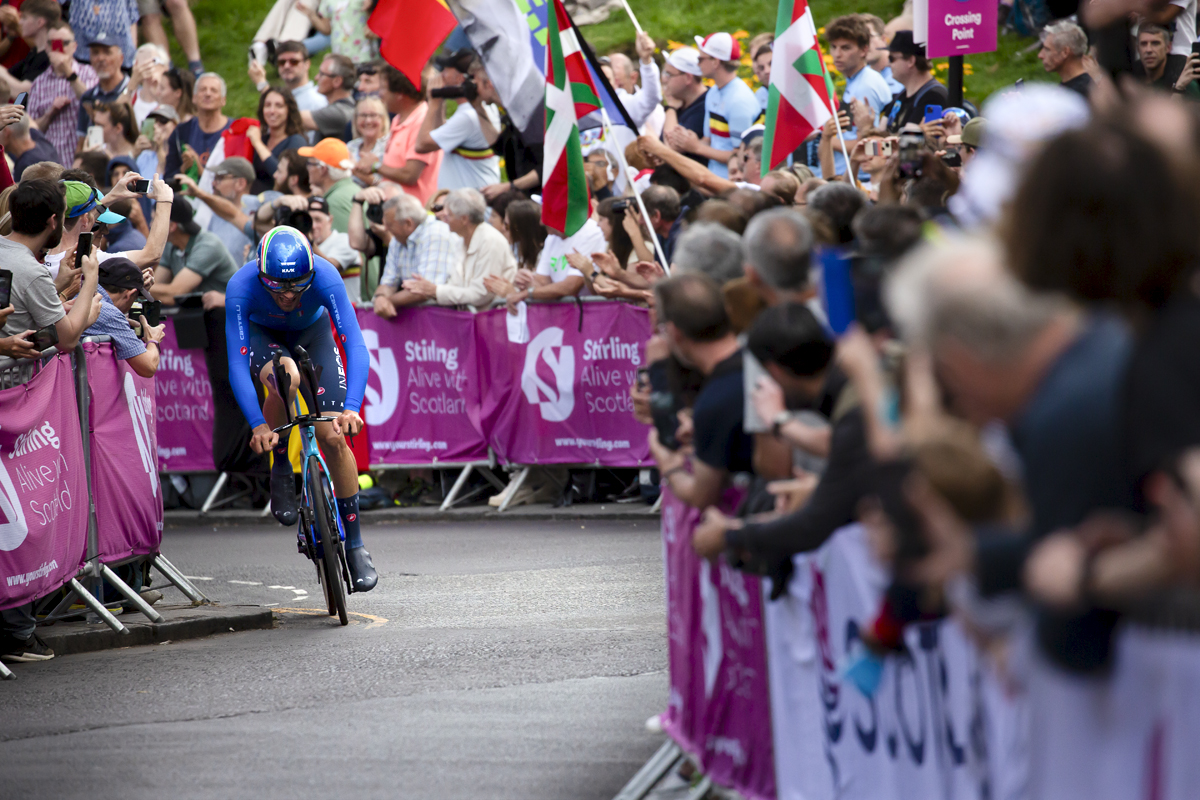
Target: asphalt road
494, 660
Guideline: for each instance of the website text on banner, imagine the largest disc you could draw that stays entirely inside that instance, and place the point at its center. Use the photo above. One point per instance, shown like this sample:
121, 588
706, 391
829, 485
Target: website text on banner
719, 707
422, 400
184, 408
129, 508
934, 727
961, 27
562, 397
43, 486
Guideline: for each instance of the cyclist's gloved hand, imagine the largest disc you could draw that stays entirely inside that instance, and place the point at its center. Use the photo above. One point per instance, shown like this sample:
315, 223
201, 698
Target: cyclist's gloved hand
263, 439
348, 423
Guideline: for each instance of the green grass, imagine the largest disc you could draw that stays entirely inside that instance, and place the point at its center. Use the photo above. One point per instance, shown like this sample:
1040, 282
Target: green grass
227, 26
680, 20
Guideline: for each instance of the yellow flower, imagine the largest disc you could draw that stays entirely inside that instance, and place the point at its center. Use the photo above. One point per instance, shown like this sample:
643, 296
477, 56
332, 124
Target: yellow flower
674, 45
741, 34
943, 67
967, 70
820, 31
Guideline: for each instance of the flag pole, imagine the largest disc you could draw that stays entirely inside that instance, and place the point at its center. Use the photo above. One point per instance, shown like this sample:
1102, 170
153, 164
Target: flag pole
836, 121
633, 185
849, 168
632, 18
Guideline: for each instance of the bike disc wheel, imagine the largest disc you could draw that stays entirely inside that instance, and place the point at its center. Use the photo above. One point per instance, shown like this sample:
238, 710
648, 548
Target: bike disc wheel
323, 509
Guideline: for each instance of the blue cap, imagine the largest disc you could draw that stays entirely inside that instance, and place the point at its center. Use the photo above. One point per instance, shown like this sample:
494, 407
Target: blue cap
106, 38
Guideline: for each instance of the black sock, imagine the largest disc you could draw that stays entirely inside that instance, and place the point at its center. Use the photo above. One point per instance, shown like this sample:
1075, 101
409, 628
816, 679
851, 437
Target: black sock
281, 464
348, 509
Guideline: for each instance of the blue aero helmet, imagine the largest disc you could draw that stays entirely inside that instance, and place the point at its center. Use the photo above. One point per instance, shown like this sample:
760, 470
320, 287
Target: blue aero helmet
285, 260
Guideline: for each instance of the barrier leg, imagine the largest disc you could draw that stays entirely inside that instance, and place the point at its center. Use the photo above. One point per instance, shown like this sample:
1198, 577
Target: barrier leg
662, 762
222, 479
130, 595
454, 490
702, 789
511, 491
97, 607
176, 577
657, 507
6, 674
487, 473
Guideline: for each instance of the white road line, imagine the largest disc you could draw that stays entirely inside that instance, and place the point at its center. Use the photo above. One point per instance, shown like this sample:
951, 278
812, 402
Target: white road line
272, 604
300, 591
281, 587
246, 583
196, 578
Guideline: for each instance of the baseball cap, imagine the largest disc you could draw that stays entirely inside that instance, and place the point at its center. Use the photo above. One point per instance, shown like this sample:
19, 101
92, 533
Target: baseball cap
318, 203
685, 59
720, 46
181, 212
165, 112
82, 198
904, 44
972, 133
329, 151
122, 273
460, 59
236, 166
105, 38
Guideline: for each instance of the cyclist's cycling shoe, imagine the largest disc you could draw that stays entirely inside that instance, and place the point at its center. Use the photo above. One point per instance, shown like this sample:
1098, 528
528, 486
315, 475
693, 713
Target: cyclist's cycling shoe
283, 497
362, 571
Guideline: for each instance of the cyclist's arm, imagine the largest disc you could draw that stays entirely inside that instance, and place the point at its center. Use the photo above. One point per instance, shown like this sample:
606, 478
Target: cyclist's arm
337, 303
237, 337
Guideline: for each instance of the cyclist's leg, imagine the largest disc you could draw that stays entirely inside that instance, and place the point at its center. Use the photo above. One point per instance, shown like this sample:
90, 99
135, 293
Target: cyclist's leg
264, 343
317, 339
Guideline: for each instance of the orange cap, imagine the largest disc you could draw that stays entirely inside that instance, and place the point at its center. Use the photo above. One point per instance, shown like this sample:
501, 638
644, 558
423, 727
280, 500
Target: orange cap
331, 151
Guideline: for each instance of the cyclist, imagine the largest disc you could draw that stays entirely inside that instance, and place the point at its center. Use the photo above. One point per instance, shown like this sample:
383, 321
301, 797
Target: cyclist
281, 300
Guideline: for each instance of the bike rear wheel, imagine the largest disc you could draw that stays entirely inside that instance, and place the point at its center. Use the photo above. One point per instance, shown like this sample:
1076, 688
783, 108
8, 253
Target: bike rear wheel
324, 509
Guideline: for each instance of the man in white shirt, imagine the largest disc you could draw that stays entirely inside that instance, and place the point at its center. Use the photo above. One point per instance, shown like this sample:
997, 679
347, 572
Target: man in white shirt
487, 254
469, 161
645, 104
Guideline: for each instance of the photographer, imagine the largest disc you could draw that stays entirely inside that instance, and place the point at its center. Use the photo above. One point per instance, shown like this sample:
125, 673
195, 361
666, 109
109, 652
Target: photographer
230, 202
401, 163
194, 260
421, 247
120, 286
697, 329
469, 161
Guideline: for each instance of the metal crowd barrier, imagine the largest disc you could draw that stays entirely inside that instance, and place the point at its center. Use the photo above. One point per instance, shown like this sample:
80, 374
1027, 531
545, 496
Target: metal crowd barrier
88, 584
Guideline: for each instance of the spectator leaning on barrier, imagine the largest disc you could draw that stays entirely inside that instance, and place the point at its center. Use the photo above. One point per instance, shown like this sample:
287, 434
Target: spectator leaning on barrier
421, 246
466, 138
26, 145
554, 277
120, 285
683, 96
334, 246
335, 81
328, 174
291, 58
193, 141
194, 260
697, 329
487, 254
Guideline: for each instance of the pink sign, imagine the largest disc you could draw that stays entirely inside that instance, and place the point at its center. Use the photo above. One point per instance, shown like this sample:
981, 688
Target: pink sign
126, 490
422, 398
719, 704
43, 486
563, 396
961, 27
184, 408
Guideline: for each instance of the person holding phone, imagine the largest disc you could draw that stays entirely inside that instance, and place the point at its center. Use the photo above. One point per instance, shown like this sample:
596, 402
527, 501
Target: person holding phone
54, 95
915, 72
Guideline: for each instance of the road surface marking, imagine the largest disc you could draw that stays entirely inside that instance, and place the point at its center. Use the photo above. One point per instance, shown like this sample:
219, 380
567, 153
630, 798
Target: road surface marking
246, 583
196, 578
372, 620
281, 587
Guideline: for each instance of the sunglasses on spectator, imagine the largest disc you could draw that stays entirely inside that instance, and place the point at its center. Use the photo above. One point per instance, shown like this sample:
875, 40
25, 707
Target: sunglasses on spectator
366, 69
289, 62
325, 74
437, 208
299, 285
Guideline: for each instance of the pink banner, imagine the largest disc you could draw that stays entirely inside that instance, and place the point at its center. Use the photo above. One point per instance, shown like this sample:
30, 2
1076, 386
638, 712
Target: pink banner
43, 486
422, 398
961, 27
719, 705
184, 414
128, 497
563, 397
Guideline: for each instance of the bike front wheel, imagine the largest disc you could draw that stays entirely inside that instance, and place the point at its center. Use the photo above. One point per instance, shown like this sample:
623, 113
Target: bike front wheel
324, 509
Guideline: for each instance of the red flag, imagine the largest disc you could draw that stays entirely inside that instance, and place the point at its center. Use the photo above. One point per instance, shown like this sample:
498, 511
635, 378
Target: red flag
410, 31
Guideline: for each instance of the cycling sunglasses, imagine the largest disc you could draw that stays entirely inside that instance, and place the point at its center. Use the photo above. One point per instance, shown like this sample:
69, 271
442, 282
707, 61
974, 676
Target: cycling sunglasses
298, 285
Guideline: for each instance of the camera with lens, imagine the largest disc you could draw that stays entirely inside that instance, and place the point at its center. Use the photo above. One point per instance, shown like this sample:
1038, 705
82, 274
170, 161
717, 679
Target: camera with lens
375, 213
622, 204
300, 220
467, 90
911, 152
150, 309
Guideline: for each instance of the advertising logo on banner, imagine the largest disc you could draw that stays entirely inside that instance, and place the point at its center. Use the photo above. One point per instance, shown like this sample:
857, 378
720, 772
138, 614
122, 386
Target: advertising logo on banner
567, 401
129, 509
961, 27
43, 486
422, 397
184, 408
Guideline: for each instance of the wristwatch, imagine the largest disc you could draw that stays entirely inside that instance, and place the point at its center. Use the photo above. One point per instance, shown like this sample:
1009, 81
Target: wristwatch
74, 76
781, 419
